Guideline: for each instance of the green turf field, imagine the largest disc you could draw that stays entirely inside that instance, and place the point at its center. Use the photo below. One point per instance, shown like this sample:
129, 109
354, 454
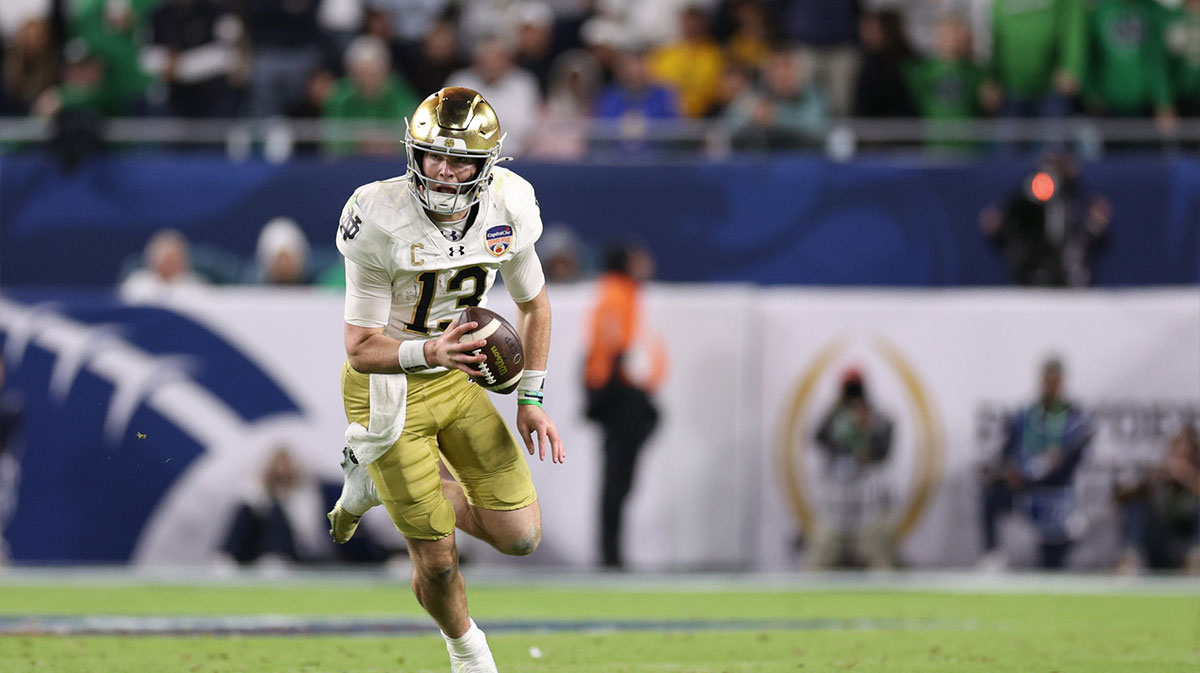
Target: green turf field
725, 628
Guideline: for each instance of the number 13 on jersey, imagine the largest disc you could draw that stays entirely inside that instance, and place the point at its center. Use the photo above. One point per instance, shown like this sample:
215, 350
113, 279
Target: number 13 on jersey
427, 282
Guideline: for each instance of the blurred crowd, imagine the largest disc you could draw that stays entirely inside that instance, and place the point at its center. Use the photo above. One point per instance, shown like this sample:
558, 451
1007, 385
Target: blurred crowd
170, 265
774, 71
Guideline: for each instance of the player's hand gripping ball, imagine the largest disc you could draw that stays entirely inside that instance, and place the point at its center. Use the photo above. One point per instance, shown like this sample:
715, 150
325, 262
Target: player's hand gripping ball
505, 356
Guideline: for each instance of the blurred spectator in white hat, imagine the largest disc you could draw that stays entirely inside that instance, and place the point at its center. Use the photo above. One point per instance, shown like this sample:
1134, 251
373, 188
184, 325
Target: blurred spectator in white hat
282, 254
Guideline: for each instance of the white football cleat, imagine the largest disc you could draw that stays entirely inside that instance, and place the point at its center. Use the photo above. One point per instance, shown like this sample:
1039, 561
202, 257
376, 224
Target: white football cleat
480, 663
470, 653
358, 496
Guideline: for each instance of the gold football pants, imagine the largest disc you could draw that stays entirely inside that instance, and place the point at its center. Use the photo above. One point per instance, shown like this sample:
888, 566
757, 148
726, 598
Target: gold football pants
446, 415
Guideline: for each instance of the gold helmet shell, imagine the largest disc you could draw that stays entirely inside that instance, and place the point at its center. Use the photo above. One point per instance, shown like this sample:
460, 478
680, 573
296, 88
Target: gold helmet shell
454, 121
456, 118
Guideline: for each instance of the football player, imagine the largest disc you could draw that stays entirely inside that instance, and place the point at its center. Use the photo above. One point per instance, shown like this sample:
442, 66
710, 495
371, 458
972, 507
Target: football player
419, 248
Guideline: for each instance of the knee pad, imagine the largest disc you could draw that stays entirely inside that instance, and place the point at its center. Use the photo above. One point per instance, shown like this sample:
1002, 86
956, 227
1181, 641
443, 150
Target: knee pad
430, 520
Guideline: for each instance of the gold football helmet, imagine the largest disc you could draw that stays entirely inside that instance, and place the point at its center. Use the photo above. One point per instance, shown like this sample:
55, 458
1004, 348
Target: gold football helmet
457, 122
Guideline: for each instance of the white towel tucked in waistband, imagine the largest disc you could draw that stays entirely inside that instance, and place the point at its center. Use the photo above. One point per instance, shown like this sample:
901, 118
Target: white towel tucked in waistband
388, 393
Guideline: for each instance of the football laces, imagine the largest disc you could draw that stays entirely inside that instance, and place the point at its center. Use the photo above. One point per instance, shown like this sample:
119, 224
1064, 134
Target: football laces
483, 367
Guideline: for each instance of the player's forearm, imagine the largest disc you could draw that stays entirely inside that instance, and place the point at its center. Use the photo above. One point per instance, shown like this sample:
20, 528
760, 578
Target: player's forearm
533, 324
373, 353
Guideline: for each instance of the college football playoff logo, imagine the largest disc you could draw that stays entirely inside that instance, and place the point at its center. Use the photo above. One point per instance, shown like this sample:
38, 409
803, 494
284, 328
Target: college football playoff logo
896, 386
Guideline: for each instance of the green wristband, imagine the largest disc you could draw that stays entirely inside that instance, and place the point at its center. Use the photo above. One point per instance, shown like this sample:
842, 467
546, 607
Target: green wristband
537, 403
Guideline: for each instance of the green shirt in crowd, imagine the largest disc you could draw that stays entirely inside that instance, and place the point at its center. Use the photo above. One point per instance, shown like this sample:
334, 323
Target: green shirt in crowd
117, 48
1128, 69
945, 89
1182, 36
1034, 39
100, 99
395, 101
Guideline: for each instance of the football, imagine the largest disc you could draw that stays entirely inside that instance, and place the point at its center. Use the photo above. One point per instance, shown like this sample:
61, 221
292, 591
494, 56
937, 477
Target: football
505, 356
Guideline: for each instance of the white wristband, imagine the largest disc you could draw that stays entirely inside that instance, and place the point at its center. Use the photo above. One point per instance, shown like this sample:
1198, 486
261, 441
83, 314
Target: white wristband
529, 390
412, 356
532, 380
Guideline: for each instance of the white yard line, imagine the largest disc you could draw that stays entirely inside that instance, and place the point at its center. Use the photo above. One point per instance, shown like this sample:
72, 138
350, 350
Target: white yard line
924, 581
289, 625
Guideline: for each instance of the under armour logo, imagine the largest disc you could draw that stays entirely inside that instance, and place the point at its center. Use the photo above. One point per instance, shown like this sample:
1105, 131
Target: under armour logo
457, 250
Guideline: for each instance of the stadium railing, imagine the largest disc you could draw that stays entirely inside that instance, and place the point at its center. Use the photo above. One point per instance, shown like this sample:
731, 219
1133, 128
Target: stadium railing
277, 139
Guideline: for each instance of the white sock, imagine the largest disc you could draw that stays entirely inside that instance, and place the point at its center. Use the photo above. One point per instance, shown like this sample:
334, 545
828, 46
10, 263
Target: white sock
468, 643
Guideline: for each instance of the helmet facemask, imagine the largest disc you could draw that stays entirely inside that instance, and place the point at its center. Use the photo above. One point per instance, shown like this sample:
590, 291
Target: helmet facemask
465, 194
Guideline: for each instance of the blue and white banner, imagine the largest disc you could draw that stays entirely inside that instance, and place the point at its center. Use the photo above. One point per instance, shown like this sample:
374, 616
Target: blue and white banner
138, 428
946, 368
124, 410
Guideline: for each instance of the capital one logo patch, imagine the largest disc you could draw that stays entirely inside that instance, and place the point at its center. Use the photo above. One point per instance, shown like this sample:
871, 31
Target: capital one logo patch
499, 238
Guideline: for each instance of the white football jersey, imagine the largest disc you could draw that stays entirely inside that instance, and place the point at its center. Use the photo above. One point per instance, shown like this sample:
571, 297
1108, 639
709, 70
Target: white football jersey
386, 237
